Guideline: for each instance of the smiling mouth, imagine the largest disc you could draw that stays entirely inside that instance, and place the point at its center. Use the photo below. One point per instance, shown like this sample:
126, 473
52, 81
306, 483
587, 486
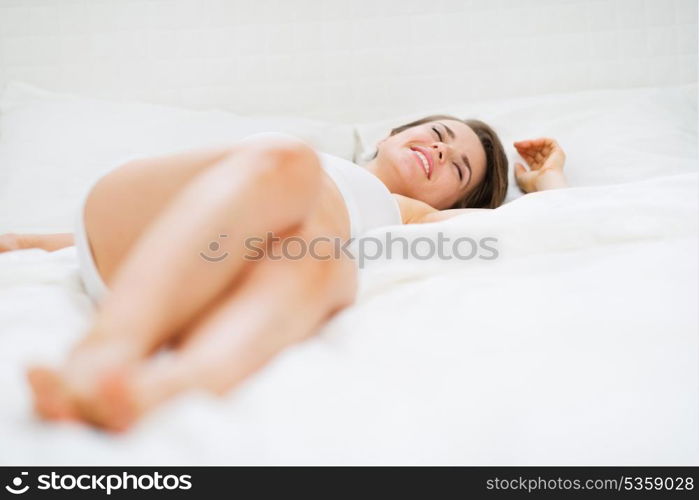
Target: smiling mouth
423, 162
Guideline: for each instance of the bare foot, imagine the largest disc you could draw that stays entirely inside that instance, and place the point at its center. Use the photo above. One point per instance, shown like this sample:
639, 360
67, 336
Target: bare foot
91, 361
99, 388
51, 399
114, 405
91, 386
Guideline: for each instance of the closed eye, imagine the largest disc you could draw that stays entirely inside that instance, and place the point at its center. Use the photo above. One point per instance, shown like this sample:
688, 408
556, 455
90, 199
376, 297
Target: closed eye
458, 168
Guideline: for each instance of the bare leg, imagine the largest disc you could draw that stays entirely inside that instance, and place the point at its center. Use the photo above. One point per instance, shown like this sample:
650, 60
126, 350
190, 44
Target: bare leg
279, 303
164, 282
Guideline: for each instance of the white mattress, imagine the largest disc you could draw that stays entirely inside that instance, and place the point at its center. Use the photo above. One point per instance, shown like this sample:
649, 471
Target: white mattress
578, 345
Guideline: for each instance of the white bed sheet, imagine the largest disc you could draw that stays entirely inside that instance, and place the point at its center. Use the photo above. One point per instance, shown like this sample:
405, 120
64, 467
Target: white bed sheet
578, 345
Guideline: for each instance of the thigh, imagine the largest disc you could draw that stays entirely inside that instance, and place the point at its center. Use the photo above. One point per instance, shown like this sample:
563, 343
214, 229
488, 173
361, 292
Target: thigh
123, 203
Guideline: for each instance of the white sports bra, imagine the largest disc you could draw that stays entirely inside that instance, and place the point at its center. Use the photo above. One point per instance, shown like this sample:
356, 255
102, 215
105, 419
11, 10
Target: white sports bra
369, 202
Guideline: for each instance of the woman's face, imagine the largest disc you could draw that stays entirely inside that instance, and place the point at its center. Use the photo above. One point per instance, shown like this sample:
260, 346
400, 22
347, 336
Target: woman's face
455, 162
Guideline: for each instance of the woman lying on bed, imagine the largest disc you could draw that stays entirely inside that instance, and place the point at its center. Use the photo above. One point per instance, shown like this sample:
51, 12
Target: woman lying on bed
169, 265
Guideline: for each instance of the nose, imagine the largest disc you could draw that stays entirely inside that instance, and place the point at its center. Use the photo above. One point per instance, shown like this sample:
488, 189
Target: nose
441, 150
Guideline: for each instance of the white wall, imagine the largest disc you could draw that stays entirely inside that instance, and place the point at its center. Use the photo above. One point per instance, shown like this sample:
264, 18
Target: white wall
349, 60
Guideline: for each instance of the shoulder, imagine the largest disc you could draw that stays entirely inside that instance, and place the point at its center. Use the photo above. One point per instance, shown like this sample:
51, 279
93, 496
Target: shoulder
418, 212
411, 210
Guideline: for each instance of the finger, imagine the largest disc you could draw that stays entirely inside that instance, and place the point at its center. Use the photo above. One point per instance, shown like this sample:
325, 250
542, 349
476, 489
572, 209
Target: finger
527, 155
529, 149
523, 145
555, 160
550, 144
519, 169
523, 150
540, 142
530, 162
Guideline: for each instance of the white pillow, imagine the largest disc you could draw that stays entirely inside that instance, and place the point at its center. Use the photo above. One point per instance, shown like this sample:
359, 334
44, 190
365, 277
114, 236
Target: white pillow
53, 146
609, 136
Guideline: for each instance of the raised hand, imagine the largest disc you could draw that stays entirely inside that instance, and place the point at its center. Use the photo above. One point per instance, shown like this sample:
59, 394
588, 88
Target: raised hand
545, 159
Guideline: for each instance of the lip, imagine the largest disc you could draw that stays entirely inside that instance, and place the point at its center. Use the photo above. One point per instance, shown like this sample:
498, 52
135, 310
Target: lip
428, 155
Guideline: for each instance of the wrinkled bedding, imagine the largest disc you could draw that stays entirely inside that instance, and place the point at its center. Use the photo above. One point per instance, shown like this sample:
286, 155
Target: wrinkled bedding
577, 345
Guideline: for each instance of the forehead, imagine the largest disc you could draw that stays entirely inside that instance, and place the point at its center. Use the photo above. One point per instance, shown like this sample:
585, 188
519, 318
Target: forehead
464, 134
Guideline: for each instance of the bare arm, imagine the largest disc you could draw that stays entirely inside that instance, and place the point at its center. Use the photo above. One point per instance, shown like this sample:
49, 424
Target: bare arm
49, 242
440, 215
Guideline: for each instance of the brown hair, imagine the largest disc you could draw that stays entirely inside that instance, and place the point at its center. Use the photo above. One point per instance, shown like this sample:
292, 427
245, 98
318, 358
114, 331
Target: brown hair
490, 193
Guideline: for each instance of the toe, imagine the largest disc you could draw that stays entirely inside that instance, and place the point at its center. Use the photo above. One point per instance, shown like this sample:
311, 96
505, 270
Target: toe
51, 400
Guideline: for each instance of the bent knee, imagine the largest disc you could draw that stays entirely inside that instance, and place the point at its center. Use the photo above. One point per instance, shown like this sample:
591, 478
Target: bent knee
279, 146
284, 160
270, 140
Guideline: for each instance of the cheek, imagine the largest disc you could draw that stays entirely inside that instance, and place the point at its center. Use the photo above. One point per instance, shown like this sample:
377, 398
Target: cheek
450, 193
403, 161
